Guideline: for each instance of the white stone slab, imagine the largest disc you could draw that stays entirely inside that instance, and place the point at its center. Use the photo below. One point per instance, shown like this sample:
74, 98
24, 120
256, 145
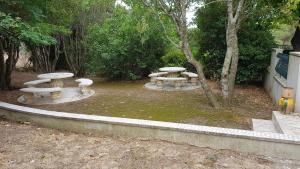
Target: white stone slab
172, 69
40, 90
263, 126
60, 75
158, 74
171, 78
190, 74
36, 82
84, 82
286, 124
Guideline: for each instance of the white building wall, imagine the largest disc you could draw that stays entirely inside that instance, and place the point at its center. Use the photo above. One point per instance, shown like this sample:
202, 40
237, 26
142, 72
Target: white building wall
274, 83
293, 77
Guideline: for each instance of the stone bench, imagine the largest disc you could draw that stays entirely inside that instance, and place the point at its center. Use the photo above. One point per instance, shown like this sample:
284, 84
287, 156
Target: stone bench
153, 76
31, 92
193, 77
178, 81
84, 85
36, 82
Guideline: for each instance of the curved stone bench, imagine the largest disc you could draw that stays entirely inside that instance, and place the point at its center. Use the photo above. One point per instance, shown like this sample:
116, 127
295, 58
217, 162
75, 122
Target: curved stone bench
84, 85
36, 82
153, 76
193, 77
32, 92
178, 81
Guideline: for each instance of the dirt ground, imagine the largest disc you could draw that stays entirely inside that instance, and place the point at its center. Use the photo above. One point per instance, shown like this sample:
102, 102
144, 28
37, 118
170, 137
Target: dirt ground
133, 100
25, 146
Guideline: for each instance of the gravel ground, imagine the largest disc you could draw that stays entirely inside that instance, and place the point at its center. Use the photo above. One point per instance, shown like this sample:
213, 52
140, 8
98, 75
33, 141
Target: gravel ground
24, 146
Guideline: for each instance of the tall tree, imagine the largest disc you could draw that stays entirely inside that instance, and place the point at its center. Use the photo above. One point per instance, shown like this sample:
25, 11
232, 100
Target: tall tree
13, 32
230, 64
238, 11
177, 11
21, 21
74, 46
255, 42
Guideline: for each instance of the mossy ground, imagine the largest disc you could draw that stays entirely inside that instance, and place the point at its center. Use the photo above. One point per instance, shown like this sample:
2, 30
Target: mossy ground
133, 100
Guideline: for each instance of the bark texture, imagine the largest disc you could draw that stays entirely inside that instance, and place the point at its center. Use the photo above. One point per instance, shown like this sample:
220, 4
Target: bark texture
8, 65
74, 49
230, 65
2, 66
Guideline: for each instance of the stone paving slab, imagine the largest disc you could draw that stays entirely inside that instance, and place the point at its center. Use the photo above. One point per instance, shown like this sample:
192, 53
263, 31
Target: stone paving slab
263, 126
287, 124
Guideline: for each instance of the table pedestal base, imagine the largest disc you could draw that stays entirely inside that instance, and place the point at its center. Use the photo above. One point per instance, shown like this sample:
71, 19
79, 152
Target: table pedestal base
173, 74
57, 83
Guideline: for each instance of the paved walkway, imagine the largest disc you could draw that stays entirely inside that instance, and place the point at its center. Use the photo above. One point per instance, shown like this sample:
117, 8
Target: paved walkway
27, 146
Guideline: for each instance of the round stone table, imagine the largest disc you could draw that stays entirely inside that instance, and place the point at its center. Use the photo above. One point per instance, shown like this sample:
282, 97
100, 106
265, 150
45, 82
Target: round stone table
172, 71
56, 78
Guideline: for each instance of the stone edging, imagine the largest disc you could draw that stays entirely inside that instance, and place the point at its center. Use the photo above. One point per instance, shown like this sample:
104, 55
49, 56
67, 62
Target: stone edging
264, 143
275, 137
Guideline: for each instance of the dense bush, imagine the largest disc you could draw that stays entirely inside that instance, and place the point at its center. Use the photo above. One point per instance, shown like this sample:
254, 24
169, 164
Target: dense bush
174, 58
255, 43
128, 45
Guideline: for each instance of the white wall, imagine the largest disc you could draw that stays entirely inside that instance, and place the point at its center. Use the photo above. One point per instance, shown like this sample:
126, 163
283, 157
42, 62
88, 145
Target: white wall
274, 83
293, 77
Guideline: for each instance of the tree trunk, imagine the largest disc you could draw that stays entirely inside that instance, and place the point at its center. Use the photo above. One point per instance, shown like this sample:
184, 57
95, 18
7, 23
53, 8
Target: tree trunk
230, 63
189, 55
182, 31
203, 83
2, 67
233, 70
9, 66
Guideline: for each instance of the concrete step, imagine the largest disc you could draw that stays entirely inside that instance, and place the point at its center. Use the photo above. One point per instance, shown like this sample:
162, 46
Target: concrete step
286, 124
263, 125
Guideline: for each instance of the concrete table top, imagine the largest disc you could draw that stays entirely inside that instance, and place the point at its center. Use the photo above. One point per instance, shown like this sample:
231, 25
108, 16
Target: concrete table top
55, 75
172, 69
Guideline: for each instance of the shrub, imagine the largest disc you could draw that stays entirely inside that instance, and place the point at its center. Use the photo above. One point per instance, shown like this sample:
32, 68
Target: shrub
127, 46
174, 58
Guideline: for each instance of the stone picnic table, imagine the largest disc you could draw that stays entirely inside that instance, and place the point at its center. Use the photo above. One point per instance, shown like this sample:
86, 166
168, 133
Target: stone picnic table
172, 71
56, 78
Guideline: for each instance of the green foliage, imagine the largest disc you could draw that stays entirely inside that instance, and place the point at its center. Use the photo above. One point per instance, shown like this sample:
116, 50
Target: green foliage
289, 12
174, 57
283, 34
128, 45
255, 43
16, 31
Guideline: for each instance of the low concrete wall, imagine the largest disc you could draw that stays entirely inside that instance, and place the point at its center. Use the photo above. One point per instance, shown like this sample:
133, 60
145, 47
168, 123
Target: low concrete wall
270, 144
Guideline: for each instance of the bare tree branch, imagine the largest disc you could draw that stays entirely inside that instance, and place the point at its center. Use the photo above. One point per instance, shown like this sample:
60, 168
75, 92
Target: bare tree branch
238, 11
230, 10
